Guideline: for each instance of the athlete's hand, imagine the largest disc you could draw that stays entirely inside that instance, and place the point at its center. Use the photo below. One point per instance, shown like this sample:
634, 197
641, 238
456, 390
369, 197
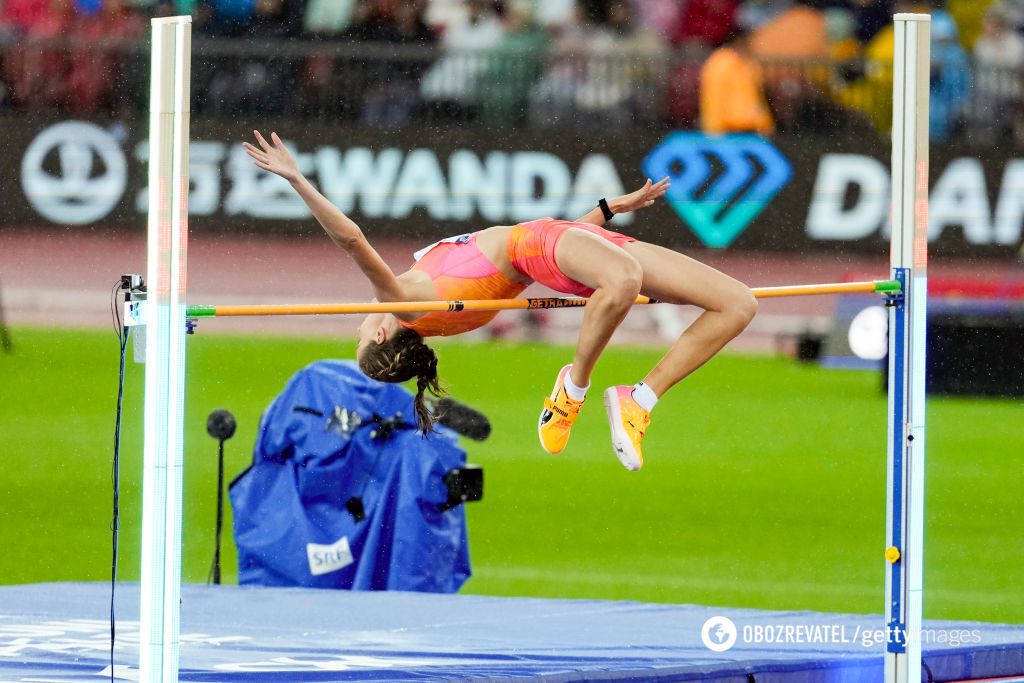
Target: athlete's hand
642, 198
274, 158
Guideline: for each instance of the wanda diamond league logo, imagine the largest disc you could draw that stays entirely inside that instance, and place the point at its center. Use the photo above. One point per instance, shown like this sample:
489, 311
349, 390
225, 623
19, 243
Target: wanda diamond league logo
719, 183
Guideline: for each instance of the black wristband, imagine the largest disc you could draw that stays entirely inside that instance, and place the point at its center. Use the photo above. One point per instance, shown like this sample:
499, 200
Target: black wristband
603, 203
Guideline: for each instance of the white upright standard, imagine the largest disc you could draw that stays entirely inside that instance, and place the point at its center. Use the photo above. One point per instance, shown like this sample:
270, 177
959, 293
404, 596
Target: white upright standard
907, 322
165, 349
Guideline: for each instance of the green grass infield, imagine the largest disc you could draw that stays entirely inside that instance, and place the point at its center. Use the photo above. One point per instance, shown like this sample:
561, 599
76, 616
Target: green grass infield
764, 484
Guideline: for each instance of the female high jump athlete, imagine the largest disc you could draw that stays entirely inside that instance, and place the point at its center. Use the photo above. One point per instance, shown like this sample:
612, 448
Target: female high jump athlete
579, 257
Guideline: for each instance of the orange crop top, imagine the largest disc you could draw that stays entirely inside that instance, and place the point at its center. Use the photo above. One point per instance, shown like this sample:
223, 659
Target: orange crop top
461, 272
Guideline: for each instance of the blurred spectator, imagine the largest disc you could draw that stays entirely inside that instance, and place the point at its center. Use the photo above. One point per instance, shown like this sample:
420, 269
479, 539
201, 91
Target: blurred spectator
598, 68
230, 18
620, 67
554, 15
23, 15
199, 9
328, 17
96, 80
968, 15
871, 17
657, 16
37, 73
320, 79
707, 21
552, 96
450, 84
253, 83
88, 8
999, 57
951, 77
797, 33
792, 43
1000, 46
276, 19
607, 55
732, 91
393, 95
840, 26
682, 97
753, 13
368, 22
441, 14
867, 87
327, 88
1015, 8
403, 23
844, 54
513, 67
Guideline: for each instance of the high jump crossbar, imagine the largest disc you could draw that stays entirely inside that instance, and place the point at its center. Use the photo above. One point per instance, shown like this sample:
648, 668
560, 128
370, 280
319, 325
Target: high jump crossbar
208, 311
166, 314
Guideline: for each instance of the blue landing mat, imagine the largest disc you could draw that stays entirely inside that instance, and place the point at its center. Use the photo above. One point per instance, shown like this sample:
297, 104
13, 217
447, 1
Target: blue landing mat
59, 632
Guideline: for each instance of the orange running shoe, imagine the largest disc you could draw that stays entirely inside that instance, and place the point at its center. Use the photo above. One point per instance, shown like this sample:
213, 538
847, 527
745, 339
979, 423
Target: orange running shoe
560, 411
629, 421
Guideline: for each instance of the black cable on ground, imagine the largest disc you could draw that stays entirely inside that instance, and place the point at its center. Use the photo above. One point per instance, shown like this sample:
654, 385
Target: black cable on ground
115, 474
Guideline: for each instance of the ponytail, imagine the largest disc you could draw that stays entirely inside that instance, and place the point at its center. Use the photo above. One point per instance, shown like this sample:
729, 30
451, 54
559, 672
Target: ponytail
427, 380
401, 358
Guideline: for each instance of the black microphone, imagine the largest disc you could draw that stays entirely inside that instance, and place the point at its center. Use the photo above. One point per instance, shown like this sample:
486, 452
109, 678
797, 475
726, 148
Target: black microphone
462, 419
221, 424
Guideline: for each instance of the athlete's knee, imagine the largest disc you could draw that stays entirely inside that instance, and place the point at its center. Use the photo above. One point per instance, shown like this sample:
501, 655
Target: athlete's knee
742, 306
624, 278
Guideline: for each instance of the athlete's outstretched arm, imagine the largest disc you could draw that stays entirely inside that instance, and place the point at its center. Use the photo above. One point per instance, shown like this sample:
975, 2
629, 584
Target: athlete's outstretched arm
643, 197
277, 159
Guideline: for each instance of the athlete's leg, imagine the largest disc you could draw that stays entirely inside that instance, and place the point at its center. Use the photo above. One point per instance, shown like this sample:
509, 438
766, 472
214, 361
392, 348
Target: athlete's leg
671, 277
616, 277
674, 278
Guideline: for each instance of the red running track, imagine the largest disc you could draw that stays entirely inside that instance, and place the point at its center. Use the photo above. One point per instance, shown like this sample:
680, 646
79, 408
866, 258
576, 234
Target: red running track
62, 277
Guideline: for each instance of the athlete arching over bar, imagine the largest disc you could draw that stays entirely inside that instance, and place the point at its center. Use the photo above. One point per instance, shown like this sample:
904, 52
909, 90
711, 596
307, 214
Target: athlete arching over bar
579, 257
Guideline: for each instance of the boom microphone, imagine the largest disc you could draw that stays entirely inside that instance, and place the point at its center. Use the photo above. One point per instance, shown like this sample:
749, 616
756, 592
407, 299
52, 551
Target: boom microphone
461, 419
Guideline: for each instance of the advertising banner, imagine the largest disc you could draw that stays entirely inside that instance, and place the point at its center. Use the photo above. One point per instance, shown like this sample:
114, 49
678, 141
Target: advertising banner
743, 192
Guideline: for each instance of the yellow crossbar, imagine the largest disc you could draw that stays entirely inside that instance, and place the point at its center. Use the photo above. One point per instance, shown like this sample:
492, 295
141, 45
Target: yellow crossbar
206, 311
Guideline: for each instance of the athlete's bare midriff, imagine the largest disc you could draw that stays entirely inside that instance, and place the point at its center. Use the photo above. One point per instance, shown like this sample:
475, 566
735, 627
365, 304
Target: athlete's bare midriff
493, 243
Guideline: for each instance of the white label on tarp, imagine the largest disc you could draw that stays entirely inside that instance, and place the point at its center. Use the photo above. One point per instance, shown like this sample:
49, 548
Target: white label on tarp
324, 559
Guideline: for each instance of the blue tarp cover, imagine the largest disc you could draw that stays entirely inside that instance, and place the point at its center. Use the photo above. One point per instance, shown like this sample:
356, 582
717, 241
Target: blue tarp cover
291, 523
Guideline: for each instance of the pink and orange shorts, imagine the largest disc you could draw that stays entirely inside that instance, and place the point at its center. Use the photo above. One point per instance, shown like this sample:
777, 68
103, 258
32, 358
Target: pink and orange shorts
531, 248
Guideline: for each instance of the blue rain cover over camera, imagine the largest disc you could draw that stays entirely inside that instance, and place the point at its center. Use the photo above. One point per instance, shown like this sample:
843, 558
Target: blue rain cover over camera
317, 467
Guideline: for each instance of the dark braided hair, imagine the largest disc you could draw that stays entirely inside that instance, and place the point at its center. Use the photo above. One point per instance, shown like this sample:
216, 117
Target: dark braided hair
401, 358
